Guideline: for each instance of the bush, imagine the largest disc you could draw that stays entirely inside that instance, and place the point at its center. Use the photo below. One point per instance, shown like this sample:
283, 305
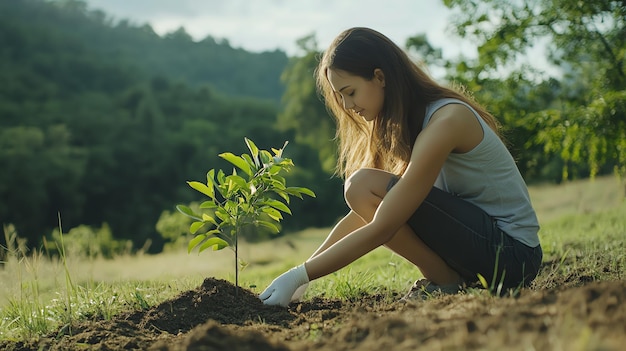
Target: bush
88, 242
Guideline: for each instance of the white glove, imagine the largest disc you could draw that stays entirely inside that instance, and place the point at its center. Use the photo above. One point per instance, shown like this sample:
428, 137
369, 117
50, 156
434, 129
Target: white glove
299, 292
283, 288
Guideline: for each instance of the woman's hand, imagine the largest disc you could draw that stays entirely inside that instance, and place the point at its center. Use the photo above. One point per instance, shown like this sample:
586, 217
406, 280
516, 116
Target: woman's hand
299, 292
282, 289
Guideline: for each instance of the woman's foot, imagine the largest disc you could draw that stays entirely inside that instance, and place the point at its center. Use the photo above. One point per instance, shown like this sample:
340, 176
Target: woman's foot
423, 289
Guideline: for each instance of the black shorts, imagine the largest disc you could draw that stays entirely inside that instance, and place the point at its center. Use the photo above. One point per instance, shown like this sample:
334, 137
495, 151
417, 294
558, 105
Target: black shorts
471, 243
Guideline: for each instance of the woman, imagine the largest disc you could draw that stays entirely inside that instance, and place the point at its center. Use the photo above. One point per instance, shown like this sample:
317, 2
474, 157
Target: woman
426, 175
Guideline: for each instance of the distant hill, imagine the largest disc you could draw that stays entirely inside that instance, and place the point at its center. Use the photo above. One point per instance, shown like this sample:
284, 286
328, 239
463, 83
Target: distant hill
175, 56
104, 123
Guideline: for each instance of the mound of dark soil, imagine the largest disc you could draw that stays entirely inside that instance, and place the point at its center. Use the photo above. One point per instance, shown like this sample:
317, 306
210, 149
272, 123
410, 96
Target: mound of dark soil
218, 316
217, 302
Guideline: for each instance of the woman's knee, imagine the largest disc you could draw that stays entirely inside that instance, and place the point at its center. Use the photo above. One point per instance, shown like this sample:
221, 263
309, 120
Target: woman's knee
365, 188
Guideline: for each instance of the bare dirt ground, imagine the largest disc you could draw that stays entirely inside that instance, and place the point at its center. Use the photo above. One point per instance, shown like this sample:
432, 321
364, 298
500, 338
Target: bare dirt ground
578, 315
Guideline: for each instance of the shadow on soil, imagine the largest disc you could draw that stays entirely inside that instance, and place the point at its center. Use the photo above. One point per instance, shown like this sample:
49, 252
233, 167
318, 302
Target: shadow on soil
218, 316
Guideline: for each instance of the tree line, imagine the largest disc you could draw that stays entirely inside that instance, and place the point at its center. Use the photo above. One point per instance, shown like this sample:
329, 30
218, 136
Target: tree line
561, 126
103, 122
99, 124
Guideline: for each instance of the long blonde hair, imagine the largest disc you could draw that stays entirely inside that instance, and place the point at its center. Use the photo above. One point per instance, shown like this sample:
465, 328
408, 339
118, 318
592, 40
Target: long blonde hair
385, 143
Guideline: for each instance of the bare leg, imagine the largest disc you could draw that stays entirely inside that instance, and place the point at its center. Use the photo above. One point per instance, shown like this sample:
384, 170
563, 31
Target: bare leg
364, 192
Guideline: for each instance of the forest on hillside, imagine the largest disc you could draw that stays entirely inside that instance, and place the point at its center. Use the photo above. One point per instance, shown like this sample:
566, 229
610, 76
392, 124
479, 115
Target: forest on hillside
103, 122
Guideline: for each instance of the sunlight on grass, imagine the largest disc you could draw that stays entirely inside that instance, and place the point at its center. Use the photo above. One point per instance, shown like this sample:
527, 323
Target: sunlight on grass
585, 247
577, 197
29, 315
583, 236
380, 272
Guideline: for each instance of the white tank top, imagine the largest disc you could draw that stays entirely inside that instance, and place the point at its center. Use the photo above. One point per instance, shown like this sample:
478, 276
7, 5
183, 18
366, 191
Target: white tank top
487, 176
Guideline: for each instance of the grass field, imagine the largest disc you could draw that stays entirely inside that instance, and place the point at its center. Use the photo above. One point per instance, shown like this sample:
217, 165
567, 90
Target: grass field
583, 235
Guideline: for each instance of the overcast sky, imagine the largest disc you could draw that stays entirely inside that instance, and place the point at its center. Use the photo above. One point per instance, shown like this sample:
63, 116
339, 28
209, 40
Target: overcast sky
259, 25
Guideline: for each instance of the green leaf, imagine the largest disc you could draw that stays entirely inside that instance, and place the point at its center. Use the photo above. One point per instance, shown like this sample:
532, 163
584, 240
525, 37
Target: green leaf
252, 164
277, 188
269, 225
223, 189
215, 243
279, 182
293, 190
284, 195
254, 151
483, 281
188, 212
220, 177
277, 205
208, 204
195, 226
244, 208
279, 152
237, 161
195, 242
231, 186
208, 219
222, 214
275, 169
273, 213
203, 188
210, 178
286, 163
242, 184
266, 157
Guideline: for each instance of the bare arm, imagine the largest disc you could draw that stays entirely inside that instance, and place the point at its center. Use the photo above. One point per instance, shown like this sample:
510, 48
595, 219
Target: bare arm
451, 129
347, 224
